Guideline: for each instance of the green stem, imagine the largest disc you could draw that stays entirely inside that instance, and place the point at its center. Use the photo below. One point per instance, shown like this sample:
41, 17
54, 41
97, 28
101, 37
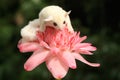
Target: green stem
58, 79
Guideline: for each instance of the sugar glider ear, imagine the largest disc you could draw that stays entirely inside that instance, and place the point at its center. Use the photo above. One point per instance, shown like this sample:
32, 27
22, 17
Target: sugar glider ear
50, 18
67, 13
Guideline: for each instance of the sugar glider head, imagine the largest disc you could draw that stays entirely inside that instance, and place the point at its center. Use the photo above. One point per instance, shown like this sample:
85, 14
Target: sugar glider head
54, 16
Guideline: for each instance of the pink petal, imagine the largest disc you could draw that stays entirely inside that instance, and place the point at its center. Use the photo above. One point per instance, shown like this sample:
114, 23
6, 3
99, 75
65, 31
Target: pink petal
28, 46
44, 44
54, 50
57, 67
81, 45
39, 36
84, 45
89, 48
84, 52
69, 59
83, 38
79, 57
36, 59
75, 38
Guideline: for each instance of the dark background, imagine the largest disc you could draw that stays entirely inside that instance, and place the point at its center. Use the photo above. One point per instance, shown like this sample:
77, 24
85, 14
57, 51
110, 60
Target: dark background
98, 19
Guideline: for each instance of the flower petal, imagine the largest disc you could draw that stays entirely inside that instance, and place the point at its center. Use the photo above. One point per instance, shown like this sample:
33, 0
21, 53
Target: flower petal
81, 45
69, 59
79, 57
83, 38
84, 52
28, 46
44, 44
89, 48
56, 67
37, 58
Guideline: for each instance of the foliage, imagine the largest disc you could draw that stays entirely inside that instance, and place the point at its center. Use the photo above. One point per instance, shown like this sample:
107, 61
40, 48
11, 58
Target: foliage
98, 19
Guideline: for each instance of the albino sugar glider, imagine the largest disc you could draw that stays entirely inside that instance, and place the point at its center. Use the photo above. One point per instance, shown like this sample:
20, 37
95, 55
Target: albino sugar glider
53, 16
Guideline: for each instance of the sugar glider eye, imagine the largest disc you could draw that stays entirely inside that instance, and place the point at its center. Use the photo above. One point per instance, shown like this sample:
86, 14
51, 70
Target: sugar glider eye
54, 23
64, 22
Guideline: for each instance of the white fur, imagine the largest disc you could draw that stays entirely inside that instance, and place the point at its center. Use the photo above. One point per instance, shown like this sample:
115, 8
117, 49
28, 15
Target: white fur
28, 32
52, 14
47, 16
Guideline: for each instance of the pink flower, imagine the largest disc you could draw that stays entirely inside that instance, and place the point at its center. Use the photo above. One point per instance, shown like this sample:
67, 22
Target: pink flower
59, 49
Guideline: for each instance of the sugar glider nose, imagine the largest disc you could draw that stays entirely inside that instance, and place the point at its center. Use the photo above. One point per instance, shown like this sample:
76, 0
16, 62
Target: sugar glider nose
61, 28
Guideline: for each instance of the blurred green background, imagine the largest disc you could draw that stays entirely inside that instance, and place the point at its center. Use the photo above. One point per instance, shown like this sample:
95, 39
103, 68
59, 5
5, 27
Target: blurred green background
98, 19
